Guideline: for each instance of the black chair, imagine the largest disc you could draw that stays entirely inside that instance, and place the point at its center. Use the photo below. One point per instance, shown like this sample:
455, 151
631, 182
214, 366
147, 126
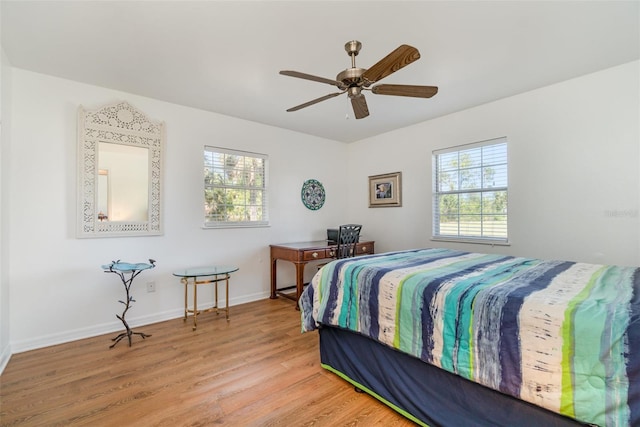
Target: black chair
348, 236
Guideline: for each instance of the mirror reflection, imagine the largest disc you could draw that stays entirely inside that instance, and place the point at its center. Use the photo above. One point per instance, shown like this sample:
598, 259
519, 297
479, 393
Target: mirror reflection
123, 183
103, 195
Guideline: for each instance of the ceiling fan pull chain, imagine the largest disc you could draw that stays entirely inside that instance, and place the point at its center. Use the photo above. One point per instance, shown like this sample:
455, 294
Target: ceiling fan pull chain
347, 109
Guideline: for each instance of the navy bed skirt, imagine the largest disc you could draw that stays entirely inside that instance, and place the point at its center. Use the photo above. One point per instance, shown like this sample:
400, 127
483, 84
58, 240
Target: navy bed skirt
428, 395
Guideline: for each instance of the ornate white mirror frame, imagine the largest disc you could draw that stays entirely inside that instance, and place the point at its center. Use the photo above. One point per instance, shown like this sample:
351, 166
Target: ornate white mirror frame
123, 125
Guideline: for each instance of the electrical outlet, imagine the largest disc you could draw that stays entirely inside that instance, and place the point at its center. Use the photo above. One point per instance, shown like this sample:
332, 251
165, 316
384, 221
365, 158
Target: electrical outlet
151, 286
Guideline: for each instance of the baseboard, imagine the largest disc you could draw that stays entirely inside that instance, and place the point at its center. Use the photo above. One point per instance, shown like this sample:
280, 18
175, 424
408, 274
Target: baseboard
4, 358
90, 331
115, 326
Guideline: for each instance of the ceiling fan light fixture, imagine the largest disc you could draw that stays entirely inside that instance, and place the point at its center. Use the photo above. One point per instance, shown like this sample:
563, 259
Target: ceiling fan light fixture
354, 92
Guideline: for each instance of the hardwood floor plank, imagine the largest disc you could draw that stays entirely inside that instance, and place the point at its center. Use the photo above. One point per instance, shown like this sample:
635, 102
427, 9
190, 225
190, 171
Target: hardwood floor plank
255, 370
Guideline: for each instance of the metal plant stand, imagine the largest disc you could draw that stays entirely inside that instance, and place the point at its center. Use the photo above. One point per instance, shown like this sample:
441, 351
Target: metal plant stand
127, 273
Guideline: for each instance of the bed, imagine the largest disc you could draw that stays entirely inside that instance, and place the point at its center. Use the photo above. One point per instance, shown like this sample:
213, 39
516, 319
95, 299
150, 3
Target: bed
453, 338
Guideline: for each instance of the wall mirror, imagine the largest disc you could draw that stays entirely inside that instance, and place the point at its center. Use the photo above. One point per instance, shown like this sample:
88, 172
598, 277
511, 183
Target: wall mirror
119, 172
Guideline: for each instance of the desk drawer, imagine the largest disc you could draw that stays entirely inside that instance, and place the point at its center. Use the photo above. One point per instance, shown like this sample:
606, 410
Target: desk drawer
364, 248
315, 254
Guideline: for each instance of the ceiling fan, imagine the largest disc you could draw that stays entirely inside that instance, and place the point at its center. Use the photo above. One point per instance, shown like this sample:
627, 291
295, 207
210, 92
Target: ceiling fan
354, 80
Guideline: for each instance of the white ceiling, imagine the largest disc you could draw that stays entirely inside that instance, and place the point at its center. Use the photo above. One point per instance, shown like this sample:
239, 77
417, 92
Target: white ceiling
224, 56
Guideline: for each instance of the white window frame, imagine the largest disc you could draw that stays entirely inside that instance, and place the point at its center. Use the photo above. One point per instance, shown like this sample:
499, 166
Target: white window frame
482, 235
262, 221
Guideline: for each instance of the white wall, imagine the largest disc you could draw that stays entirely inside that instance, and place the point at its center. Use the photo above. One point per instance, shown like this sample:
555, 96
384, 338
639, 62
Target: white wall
574, 186
59, 292
5, 126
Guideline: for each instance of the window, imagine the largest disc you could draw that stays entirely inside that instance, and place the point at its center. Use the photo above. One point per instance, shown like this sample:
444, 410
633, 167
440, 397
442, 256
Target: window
470, 192
235, 188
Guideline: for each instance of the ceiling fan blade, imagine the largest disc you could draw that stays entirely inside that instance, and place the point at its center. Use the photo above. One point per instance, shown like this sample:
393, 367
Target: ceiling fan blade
314, 101
360, 109
308, 77
401, 57
405, 90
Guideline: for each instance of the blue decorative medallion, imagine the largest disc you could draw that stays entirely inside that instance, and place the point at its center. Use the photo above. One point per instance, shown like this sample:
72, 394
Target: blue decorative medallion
312, 194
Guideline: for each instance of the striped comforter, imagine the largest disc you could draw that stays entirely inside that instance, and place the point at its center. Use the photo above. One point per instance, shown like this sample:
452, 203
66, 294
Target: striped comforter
561, 335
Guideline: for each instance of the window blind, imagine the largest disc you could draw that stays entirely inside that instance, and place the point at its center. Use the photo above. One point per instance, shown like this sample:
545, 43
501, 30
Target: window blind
470, 192
235, 188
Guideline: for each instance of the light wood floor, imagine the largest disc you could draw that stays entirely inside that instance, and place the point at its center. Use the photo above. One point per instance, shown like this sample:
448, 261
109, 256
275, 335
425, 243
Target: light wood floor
256, 370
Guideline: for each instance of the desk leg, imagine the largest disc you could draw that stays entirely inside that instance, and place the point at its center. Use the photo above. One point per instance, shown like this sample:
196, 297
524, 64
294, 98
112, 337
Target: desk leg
299, 280
273, 278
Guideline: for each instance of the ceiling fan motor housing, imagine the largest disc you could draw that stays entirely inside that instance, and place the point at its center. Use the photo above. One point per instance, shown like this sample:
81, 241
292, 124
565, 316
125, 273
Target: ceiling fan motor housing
350, 77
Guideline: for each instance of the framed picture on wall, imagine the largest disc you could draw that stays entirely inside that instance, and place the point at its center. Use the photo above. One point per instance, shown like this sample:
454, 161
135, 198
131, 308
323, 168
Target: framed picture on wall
385, 190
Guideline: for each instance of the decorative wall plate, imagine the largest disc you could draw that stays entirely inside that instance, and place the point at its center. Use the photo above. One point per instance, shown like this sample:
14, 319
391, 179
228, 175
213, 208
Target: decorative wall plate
312, 194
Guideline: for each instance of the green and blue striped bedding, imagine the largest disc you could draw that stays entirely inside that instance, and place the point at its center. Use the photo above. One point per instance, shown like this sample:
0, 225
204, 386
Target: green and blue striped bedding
561, 335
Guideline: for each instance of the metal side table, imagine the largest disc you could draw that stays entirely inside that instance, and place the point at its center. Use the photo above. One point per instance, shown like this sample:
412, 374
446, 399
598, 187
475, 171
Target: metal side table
202, 276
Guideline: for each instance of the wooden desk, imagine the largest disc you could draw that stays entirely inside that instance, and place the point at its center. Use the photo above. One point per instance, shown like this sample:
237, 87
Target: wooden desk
300, 254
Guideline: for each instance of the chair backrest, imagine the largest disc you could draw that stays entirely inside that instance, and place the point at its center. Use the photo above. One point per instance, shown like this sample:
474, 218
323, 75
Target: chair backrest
348, 236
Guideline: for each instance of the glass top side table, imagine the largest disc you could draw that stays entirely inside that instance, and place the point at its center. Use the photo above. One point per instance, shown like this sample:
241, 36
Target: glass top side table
127, 272
200, 276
